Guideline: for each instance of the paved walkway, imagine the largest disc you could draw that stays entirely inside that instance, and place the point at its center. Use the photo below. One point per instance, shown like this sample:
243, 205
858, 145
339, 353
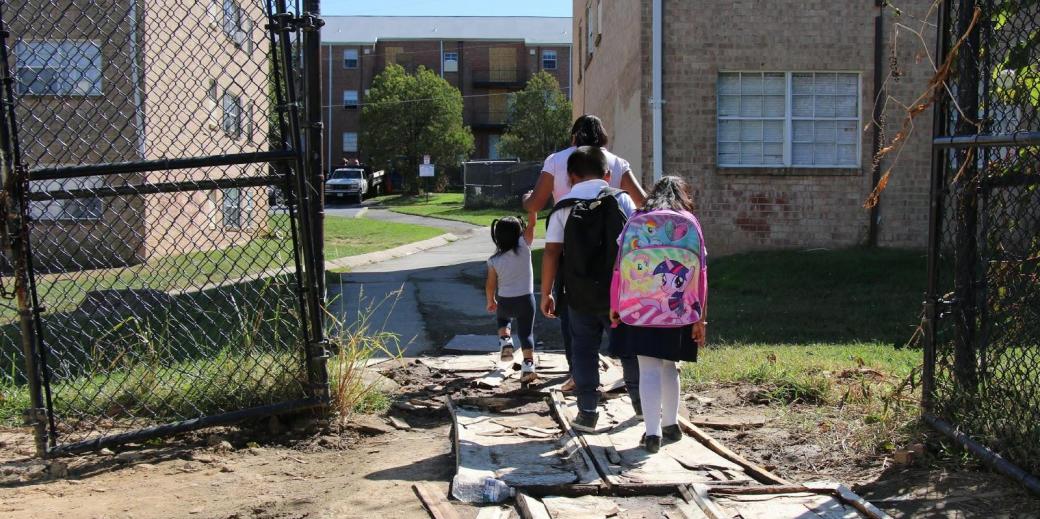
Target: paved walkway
429, 297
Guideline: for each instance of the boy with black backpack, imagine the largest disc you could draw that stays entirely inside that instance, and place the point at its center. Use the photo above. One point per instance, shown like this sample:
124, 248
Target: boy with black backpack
581, 245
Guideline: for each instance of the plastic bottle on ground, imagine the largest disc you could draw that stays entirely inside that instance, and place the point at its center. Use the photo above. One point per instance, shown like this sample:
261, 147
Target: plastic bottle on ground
480, 490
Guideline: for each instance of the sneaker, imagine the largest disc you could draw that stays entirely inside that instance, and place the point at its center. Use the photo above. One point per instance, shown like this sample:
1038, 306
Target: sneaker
652, 444
527, 371
585, 422
506, 345
637, 406
672, 433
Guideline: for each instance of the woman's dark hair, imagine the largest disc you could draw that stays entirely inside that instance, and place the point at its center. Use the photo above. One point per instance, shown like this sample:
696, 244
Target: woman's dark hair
506, 233
669, 193
588, 130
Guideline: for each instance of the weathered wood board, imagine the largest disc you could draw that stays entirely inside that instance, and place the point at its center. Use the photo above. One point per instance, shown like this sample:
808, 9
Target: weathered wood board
604, 507
525, 449
619, 455
548, 363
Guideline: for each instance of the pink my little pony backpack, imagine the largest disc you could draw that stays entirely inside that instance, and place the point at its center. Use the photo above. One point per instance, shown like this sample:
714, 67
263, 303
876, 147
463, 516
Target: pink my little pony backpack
659, 277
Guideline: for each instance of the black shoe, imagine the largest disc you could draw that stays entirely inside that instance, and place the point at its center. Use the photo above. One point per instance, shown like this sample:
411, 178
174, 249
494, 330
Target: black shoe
585, 422
672, 433
637, 406
652, 444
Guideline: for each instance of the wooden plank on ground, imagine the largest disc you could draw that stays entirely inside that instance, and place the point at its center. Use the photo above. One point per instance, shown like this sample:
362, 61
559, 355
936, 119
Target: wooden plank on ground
697, 494
434, 503
494, 378
810, 501
584, 507
531, 508
525, 449
755, 471
494, 512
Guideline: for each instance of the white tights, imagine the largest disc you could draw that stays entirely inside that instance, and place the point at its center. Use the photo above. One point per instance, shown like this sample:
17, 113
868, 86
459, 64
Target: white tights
659, 393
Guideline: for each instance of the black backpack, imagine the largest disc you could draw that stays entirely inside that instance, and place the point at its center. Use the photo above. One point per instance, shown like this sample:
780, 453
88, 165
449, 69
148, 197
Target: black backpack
590, 249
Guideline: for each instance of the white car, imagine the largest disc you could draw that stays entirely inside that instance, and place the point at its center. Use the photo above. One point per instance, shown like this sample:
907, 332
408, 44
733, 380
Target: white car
347, 183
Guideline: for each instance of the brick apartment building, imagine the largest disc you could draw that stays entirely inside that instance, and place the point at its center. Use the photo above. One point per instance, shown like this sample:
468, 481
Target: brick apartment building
765, 108
113, 82
486, 58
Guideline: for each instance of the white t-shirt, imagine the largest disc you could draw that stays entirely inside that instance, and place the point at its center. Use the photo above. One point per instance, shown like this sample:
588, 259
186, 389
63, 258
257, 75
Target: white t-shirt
586, 190
556, 164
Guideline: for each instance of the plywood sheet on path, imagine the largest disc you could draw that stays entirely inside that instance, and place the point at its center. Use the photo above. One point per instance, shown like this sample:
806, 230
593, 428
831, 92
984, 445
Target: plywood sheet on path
548, 363
525, 448
617, 451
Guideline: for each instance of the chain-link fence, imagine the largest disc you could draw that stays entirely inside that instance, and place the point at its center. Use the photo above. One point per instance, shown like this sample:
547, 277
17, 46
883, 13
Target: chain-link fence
150, 285
498, 183
982, 366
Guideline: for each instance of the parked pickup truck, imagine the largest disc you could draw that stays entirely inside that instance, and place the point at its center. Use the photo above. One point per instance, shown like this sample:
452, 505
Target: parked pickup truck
349, 183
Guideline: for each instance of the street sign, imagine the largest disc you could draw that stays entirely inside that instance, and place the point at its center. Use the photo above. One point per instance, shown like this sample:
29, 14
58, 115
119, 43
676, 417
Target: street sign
425, 159
425, 170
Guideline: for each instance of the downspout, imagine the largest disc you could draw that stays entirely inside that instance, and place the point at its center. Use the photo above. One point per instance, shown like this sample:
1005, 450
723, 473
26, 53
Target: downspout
135, 69
441, 67
656, 100
329, 161
879, 93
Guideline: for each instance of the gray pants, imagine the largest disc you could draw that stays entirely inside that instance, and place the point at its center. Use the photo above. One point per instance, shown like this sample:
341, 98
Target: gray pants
521, 309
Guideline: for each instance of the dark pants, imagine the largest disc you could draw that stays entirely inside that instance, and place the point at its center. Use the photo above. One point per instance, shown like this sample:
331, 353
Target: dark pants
520, 308
564, 315
587, 336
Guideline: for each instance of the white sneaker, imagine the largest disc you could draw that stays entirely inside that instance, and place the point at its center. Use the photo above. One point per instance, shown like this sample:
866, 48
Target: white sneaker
527, 371
506, 346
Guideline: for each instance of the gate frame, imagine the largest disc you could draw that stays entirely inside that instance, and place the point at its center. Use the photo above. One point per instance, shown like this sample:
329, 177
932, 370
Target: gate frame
961, 307
305, 222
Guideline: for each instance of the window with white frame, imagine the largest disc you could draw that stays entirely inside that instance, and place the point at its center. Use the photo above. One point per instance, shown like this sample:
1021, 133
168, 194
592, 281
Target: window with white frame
549, 59
451, 61
232, 120
590, 31
231, 208
350, 142
85, 208
53, 68
350, 58
789, 119
350, 99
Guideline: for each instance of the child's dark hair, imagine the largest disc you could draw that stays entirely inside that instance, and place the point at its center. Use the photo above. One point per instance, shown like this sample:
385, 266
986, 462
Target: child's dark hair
588, 130
506, 233
587, 162
669, 193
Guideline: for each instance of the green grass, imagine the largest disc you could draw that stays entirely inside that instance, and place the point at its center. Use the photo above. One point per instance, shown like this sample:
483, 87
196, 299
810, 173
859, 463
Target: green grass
355, 236
448, 206
823, 330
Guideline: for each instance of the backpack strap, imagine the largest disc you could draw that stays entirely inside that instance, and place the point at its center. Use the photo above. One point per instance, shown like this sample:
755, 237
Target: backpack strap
562, 204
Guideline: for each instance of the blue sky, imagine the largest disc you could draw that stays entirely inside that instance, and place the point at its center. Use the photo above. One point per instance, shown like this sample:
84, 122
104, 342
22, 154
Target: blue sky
447, 7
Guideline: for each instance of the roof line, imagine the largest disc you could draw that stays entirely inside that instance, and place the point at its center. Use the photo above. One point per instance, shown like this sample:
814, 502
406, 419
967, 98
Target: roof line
438, 16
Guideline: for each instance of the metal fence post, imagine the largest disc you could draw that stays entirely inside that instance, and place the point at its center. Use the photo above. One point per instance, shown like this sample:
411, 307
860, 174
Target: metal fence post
15, 248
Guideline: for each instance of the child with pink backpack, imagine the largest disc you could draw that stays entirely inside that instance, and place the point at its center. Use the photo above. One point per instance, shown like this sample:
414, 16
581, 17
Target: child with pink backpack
658, 298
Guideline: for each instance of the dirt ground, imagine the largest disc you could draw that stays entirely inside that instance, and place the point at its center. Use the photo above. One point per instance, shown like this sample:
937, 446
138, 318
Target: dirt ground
299, 468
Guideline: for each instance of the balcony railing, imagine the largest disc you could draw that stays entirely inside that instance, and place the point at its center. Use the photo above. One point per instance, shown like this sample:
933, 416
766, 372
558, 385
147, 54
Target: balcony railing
498, 77
487, 118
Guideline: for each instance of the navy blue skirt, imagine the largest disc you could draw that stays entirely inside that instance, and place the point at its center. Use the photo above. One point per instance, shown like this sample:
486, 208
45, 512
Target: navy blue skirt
675, 344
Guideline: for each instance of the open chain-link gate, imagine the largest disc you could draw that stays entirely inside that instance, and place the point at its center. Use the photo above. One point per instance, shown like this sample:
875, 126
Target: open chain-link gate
982, 313
162, 263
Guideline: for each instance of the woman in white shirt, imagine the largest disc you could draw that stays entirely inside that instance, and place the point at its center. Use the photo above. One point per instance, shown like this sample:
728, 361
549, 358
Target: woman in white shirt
588, 130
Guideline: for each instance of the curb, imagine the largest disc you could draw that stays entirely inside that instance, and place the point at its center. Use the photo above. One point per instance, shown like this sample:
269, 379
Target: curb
351, 262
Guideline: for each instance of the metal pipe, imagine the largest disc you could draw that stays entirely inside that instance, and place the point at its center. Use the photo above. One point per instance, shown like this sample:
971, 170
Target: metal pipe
151, 189
329, 132
875, 174
656, 100
120, 168
1019, 138
987, 456
937, 190
147, 433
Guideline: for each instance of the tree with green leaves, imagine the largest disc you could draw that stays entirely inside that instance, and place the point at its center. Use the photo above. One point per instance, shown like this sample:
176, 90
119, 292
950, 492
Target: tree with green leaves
539, 120
406, 116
